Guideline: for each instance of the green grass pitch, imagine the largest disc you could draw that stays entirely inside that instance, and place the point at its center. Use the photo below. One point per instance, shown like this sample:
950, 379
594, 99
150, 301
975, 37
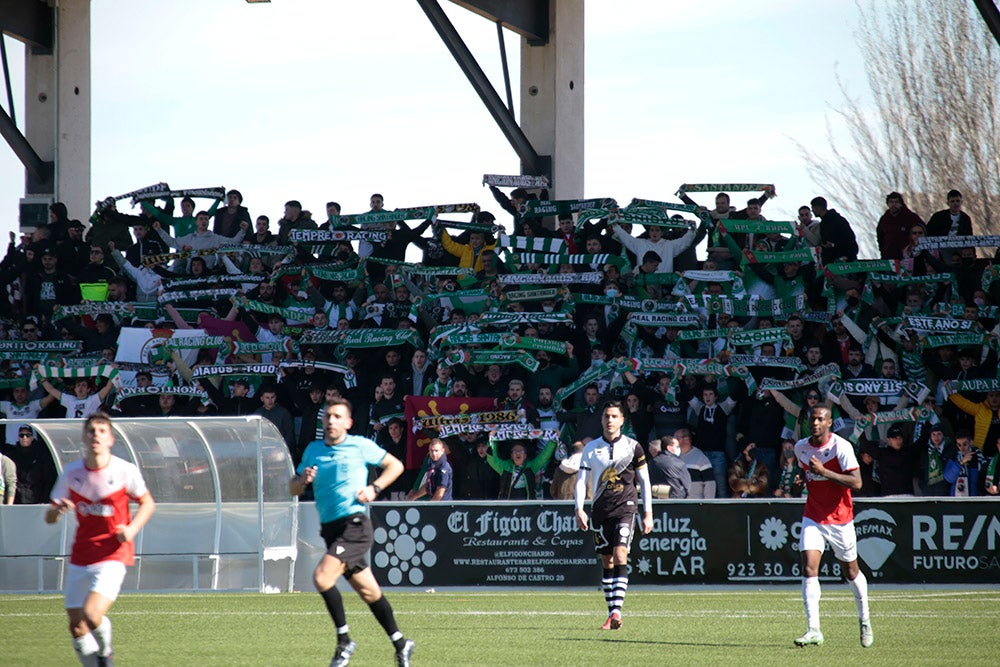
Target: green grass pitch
685, 626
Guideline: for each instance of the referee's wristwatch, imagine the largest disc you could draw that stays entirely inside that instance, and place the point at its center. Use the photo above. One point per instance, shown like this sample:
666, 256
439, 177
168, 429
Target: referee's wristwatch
378, 489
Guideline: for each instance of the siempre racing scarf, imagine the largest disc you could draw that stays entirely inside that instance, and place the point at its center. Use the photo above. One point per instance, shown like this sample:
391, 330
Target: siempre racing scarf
334, 236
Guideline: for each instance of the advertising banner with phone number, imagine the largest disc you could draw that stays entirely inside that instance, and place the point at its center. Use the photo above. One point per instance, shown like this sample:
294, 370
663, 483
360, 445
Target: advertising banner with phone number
740, 541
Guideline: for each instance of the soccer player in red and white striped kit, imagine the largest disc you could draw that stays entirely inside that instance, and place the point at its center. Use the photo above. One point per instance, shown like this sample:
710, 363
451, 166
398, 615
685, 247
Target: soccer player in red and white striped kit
831, 471
98, 489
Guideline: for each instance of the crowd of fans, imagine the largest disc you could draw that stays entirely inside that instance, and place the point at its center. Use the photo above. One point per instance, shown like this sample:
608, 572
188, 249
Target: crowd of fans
550, 313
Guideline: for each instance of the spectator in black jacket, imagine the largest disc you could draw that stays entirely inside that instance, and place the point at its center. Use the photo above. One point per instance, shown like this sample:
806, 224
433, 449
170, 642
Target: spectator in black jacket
839, 241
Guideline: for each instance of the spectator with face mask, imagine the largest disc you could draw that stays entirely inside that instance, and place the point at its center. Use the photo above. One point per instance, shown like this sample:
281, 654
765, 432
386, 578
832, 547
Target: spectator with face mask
668, 474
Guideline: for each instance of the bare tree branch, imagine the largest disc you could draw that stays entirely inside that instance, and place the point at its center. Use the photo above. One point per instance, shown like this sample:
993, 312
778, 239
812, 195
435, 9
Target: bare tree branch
932, 69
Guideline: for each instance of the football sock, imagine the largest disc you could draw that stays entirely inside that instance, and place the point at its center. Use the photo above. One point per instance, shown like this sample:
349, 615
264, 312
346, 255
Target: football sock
86, 649
383, 614
606, 586
619, 585
859, 586
102, 633
335, 605
810, 596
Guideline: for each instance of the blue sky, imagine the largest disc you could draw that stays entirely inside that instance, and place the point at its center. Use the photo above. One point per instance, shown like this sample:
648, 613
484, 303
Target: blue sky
316, 100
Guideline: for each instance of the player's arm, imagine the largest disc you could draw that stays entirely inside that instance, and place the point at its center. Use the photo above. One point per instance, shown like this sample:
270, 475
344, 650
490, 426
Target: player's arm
851, 479
127, 532
647, 498
392, 468
59, 507
297, 485
579, 495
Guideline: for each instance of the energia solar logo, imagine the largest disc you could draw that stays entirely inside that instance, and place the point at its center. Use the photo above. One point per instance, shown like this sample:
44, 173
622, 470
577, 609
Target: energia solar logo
401, 547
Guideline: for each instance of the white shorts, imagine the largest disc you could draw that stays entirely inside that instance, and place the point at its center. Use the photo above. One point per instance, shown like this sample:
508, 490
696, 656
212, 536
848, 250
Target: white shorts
841, 537
105, 578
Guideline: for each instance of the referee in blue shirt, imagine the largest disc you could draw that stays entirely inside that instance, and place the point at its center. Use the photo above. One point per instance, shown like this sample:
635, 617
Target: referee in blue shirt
337, 467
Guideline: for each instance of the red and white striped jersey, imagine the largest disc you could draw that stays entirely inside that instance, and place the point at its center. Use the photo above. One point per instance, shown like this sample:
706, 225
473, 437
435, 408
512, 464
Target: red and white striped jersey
101, 497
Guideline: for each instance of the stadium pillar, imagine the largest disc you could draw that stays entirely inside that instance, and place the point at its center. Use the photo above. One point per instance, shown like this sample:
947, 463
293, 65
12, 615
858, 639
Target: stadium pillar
552, 111
57, 109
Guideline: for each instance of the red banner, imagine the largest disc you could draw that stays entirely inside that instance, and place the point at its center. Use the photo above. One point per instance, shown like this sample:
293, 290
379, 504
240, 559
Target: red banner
418, 407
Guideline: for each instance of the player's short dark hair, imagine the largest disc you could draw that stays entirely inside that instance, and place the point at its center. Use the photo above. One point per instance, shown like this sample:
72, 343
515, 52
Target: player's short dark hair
340, 400
954, 193
818, 201
613, 403
96, 418
822, 407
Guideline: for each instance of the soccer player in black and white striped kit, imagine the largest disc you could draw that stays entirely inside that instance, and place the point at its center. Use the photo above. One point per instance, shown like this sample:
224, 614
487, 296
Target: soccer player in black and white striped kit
611, 465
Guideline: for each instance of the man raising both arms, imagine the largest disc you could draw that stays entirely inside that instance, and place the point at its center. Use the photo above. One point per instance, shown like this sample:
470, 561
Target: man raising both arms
337, 466
610, 464
831, 471
98, 488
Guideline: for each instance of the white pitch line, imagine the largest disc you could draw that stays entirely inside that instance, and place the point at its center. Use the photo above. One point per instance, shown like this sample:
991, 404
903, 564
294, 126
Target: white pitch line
504, 613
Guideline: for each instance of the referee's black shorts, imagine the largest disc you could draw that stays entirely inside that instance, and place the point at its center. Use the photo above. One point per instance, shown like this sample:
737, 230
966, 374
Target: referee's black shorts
349, 540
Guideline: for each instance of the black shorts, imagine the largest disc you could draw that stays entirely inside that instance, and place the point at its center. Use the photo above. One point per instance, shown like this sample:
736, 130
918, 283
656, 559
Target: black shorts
349, 540
613, 532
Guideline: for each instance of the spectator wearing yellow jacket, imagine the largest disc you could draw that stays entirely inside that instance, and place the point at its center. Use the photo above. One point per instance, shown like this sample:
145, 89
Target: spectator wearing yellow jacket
986, 415
470, 255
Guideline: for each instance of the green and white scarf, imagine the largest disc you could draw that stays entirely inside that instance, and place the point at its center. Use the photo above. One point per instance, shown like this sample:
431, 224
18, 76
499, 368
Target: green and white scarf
586, 278
153, 390
862, 266
334, 236
820, 375
724, 187
758, 227
574, 258
980, 386
523, 181
901, 415
295, 313
532, 244
958, 340
226, 370
320, 365
985, 241
143, 311
198, 295
515, 319
538, 208
809, 255
100, 370
42, 346
930, 325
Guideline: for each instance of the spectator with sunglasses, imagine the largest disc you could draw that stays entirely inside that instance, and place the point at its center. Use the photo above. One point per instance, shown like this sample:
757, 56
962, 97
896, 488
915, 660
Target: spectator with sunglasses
36, 473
